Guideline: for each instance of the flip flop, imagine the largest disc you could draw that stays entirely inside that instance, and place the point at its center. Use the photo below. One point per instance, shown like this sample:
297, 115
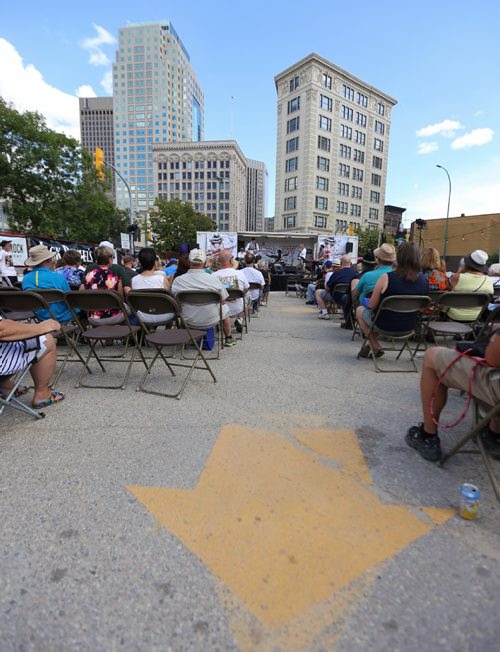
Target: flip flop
20, 391
55, 397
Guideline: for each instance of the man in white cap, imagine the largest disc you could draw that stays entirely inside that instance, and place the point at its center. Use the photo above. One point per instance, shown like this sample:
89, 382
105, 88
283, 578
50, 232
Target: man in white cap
472, 276
8, 274
42, 276
196, 279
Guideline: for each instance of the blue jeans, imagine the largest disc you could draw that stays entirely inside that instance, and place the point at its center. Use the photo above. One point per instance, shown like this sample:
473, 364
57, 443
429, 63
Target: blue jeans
310, 291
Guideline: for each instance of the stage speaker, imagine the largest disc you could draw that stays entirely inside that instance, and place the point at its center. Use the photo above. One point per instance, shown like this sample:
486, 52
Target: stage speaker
349, 247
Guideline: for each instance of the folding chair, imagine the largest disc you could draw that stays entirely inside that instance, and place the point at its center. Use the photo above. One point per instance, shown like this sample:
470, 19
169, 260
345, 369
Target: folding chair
452, 328
15, 315
255, 286
97, 300
198, 298
236, 294
339, 287
398, 304
145, 303
478, 424
292, 281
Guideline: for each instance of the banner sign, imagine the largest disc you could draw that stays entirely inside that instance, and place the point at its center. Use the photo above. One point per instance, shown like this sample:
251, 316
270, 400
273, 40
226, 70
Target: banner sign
86, 250
332, 247
213, 242
19, 250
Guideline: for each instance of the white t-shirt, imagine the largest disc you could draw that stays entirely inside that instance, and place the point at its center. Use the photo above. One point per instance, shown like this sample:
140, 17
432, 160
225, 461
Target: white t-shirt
254, 276
198, 279
252, 246
235, 279
154, 282
6, 265
303, 253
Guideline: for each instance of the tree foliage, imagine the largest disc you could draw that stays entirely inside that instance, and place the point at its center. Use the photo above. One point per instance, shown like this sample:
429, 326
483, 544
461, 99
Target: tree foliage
175, 221
48, 182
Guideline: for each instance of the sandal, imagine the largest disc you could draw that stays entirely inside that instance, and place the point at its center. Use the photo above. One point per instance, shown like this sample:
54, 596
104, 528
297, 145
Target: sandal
365, 352
20, 391
54, 397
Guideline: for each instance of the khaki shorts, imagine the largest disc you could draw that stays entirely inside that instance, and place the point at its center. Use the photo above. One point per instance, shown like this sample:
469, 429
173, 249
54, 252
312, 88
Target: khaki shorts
483, 388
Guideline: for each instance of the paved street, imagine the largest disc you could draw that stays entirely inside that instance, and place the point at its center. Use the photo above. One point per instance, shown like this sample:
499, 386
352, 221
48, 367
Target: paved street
276, 510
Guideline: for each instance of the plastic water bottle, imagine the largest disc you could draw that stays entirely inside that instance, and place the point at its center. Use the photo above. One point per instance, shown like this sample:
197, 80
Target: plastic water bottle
469, 501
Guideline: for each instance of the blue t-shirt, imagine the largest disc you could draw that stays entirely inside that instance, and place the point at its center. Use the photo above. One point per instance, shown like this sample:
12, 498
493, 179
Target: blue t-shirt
343, 275
171, 269
369, 280
45, 279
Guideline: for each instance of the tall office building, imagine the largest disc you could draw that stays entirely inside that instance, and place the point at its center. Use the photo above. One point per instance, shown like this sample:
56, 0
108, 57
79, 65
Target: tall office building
211, 175
96, 126
157, 99
256, 195
332, 149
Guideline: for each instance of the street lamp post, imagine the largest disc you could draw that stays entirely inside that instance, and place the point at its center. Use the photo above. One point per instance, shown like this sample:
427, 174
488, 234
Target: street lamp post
447, 212
219, 181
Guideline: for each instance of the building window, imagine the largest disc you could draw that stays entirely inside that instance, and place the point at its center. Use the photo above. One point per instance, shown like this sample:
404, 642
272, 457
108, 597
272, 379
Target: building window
326, 81
289, 222
357, 192
377, 162
344, 170
380, 108
292, 145
348, 92
346, 132
294, 84
321, 203
320, 221
322, 183
376, 180
294, 105
346, 113
342, 188
292, 164
323, 164
325, 102
292, 125
373, 214
360, 119
378, 145
375, 197
345, 151
361, 99
340, 225
359, 156
291, 183
342, 207
324, 143
290, 203
357, 174
325, 123
356, 210
379, 127
360, 137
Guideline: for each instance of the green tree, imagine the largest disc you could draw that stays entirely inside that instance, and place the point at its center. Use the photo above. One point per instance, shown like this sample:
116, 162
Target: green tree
367, 239
175, 221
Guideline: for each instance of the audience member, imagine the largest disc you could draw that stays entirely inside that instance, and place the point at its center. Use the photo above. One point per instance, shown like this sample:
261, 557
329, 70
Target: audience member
471, 276
8, 274
103, 277
128, 268
117, 269
433, 270
262, 267
366, 264
343, 275
405, 279
171, 268
424, 438
183, 264
21, 344
196, 279
70, 268
232, 278
42, 276
253, 276
312, 287
149, 280
384, 257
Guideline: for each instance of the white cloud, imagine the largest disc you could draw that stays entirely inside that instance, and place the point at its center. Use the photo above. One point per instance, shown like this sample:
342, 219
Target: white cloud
445, 128
428, 148
85, 91
92, 44
107, 82
474, 138
478, 113
25, 87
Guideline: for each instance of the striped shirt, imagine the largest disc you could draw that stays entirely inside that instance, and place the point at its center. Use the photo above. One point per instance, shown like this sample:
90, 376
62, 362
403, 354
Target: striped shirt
15, 356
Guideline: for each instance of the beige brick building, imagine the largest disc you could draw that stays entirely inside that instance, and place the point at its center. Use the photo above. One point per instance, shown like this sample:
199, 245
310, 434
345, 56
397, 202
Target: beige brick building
332, 149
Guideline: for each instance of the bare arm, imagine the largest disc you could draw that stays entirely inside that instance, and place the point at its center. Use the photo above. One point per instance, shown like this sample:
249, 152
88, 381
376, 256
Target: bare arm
11, 331
454, 280
492, 355
377, 291
166, 284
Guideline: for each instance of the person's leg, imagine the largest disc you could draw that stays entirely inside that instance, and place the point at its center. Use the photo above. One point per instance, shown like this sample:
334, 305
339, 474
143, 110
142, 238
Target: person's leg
226, 325
319, 300
42, 370
310, 293
365, 327
428, 381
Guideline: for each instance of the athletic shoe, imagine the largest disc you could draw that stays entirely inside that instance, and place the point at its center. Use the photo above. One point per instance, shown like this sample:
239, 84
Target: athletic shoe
309, 303
323, 315
428, 447
229, 341
238, 324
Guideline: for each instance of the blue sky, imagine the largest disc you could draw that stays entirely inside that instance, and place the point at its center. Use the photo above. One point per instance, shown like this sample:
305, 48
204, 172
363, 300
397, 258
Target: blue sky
438, 59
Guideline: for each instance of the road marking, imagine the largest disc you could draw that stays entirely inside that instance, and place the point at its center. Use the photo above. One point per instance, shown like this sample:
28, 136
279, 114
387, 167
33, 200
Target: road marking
281, 528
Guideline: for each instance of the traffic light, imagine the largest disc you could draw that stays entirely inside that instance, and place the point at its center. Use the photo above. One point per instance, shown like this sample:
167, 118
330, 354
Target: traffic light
99, 163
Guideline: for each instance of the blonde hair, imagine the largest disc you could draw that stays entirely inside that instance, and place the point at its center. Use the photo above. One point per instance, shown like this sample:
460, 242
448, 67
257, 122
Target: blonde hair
430, 259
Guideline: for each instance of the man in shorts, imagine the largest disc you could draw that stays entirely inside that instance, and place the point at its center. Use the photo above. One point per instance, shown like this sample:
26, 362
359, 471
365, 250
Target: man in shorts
424, 437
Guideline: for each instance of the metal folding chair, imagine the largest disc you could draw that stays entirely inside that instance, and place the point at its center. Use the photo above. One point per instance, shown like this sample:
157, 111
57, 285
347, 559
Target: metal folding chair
98, 300
398, 304
234, 295
452, 328
173, 338
204, 298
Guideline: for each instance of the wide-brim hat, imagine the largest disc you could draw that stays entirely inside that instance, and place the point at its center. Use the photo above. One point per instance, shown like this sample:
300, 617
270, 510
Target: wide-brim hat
477, 260
385, 252
38, 254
